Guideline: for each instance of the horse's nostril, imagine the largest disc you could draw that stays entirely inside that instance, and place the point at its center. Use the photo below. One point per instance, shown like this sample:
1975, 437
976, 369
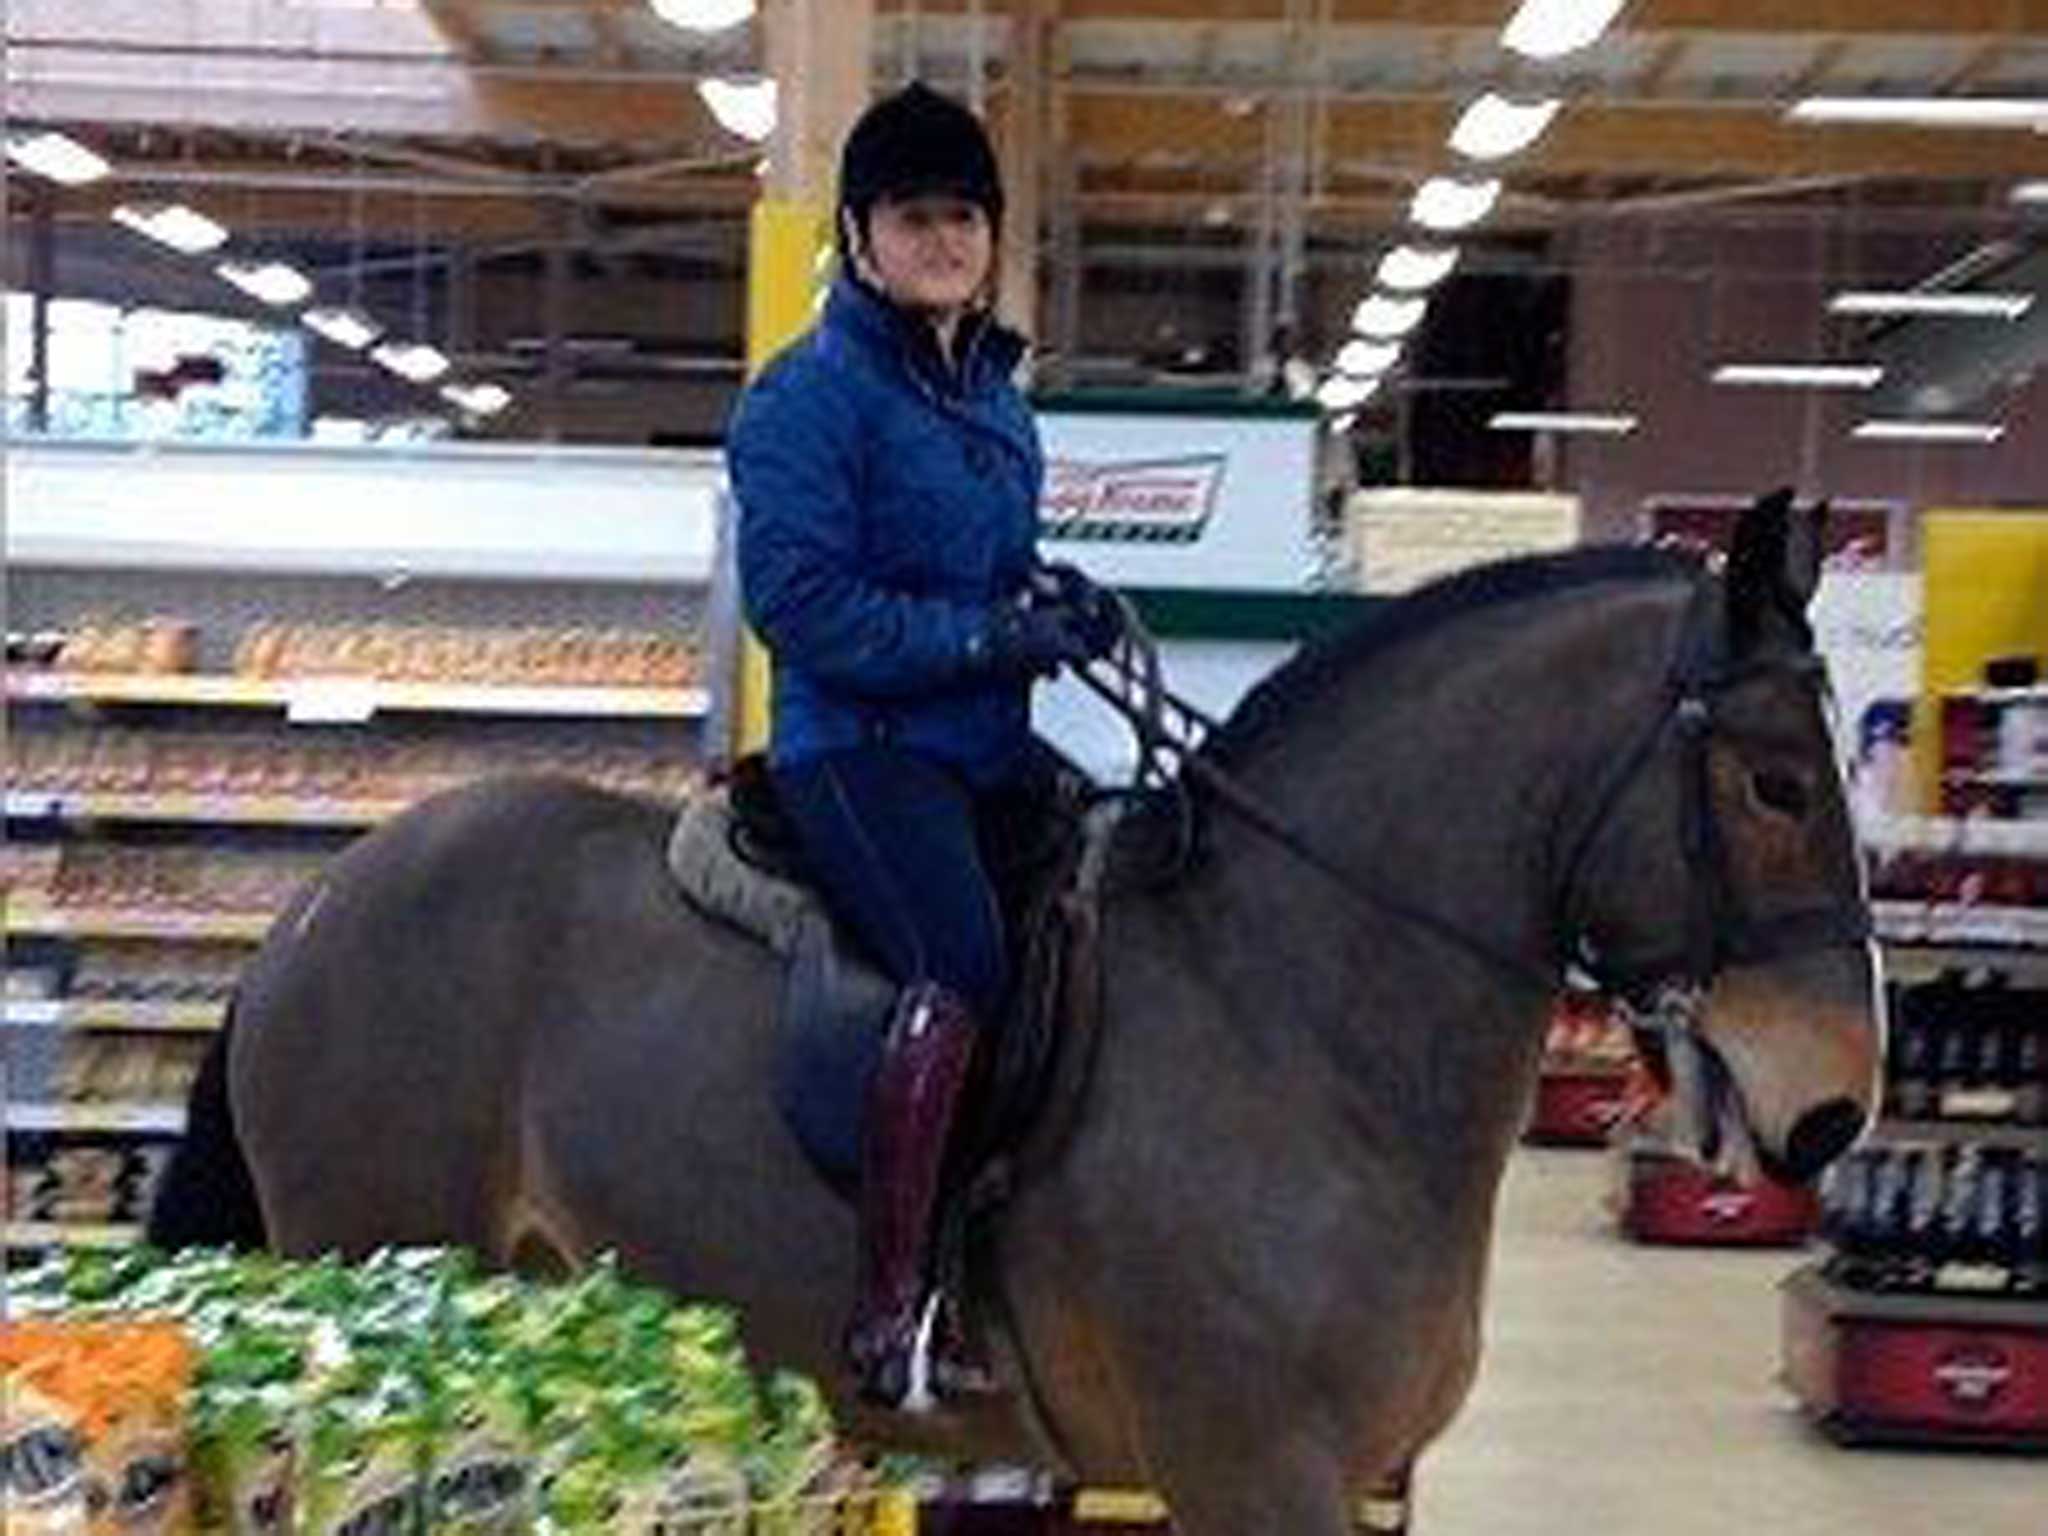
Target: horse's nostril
1821, 1136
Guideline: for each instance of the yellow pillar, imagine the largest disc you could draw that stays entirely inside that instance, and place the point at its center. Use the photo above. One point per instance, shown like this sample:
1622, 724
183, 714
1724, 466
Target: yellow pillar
818, 53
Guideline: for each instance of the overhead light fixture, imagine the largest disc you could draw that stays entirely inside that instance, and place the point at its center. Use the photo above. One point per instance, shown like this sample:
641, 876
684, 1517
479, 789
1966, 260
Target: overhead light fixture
1416, 268
413, 360
1926, 111
477, 399
1546, 29
1801, 375
349, 328
1383, 318
59, 157
273, 282
1960, 306
703, 15
1360, 359
1494, 127
744, 109
1590, 423
1904, 431
1445, 202
181, 228
1339, 394
2031, 192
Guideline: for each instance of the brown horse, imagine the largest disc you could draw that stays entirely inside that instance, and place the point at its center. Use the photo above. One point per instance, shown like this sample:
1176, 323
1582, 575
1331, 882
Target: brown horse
1245, 1263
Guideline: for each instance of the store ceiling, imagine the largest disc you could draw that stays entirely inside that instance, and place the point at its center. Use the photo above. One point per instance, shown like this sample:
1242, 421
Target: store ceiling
1167, 107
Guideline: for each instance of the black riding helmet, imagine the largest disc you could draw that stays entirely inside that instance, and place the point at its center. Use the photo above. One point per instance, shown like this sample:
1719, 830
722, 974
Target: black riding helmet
913, 143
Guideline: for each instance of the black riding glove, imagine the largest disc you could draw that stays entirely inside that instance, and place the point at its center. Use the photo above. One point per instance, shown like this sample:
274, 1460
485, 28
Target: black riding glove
1098, 616
1031, 642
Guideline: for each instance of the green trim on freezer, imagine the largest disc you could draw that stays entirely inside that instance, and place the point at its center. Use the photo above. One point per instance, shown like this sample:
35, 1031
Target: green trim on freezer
1224, 403
1175, 613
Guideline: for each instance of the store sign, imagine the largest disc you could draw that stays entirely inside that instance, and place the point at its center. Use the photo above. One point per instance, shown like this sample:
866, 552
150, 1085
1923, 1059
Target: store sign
1140, 501
1397, 540
1175, 499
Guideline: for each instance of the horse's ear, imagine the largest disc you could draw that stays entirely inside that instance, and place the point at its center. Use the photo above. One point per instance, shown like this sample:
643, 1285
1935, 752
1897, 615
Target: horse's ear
1773, 567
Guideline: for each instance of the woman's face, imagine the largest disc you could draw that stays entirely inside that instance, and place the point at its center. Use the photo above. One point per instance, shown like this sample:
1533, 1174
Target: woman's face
929, 253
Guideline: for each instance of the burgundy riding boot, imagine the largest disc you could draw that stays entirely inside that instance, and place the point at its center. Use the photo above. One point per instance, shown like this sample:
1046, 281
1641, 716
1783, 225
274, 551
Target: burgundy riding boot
910, 1113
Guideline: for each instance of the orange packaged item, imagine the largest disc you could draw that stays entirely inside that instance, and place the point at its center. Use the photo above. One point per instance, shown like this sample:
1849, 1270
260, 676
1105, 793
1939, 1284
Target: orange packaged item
92, 1429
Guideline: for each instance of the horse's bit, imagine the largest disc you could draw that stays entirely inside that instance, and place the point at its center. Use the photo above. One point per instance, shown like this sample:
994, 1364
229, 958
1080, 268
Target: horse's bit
1662, 989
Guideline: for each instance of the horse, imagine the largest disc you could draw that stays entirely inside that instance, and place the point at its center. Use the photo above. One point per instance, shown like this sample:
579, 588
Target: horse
1244, 1258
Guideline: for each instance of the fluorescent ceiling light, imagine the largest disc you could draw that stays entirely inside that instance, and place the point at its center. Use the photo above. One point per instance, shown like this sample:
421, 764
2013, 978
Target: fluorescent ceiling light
477, 399
181, 228
1339, 394
1344, 423
1544, 29
1416, 268
1387, 319
1444, 202
1359, 359
747, 110
1494, 127
59, 157
1878, 431
411, 360
703, 15
1965, 306
2031, 192
1593, 423
349, 328
273, 281
1801, 375
1926, 111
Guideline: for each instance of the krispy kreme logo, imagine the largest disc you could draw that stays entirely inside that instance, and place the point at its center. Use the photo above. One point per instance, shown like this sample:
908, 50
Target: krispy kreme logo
1974, 1375
1132, 500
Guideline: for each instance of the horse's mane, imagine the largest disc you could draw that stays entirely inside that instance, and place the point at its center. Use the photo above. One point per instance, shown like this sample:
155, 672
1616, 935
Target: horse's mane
1314, 669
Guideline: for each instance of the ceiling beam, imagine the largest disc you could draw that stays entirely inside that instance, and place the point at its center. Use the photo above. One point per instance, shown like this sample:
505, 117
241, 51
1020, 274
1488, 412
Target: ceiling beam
1858, 17
1619, 139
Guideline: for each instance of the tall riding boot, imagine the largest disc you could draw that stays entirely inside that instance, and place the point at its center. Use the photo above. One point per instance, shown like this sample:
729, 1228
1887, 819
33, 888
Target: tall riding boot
910, 1113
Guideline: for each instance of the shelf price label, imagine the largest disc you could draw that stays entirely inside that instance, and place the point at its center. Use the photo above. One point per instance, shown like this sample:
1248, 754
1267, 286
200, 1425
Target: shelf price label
331, 701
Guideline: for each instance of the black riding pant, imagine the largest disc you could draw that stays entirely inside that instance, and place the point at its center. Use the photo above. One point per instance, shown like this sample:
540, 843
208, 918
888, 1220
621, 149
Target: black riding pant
909, 860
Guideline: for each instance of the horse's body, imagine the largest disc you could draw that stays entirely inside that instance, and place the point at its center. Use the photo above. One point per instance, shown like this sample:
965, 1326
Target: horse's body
1246, 1263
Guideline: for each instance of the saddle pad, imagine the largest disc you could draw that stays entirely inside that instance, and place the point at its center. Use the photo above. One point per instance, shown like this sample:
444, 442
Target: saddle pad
835, 1007
719, 882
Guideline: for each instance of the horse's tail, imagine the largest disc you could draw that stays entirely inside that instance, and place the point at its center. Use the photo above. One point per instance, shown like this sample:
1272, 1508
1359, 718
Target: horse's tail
207, 1198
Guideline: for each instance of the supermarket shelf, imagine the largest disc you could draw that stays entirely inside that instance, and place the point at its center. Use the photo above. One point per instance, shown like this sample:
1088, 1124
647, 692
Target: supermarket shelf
341, 699
241, 810
1954, 926
86, 1013
142, 1119
63, 1234
1915, 1306
25, 917
1908, 962
1976, 1133
1956, 834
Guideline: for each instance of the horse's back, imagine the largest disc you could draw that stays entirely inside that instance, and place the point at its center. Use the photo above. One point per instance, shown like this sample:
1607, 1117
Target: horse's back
393, 1019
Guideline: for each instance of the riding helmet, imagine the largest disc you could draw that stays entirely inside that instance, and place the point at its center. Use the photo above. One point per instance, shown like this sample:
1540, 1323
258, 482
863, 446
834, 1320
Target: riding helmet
918, 142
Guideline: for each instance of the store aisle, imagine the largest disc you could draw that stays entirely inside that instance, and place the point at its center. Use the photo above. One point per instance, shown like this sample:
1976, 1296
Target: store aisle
1629, 1390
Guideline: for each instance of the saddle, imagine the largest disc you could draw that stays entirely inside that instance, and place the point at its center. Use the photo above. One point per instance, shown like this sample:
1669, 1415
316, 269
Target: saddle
735, 859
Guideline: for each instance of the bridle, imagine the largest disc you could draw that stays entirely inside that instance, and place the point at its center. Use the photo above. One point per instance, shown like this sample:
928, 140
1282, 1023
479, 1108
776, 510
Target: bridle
1662, 989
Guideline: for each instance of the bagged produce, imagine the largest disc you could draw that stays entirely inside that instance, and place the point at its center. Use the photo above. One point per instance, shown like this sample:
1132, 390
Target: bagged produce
92, 1429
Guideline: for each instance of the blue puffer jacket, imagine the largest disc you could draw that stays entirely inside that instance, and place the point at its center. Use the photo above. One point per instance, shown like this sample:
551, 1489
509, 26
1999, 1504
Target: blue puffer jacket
886, 505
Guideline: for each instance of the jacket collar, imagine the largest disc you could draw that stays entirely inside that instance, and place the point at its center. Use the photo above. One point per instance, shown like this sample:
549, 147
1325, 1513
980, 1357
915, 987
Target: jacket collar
867, 320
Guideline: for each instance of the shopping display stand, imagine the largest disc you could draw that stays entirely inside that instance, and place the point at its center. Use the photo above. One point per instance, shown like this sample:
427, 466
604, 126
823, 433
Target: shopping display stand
1877, 1369
1582, 1089
1664, 1198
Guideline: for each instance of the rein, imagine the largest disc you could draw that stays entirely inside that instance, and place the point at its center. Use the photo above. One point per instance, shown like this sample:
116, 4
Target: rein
1165, 726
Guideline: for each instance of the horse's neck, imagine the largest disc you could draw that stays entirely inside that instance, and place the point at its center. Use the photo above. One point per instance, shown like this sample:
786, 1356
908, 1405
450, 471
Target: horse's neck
1443, 775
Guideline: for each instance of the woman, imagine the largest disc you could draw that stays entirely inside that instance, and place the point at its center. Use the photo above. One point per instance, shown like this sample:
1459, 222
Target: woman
888, 472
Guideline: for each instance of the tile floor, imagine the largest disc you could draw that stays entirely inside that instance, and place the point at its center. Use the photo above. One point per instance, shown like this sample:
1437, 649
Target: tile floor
1631, 1390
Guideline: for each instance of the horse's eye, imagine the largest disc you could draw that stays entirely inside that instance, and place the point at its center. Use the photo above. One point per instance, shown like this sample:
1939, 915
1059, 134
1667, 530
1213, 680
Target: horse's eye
1781, 792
